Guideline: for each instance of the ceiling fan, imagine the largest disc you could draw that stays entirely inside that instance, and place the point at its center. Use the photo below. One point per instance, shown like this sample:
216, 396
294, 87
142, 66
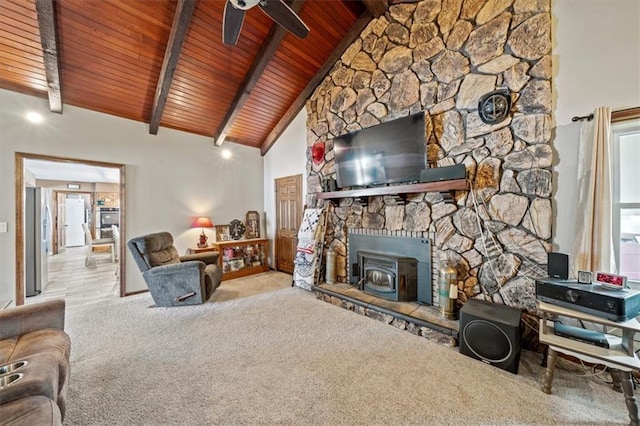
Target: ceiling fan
277, 10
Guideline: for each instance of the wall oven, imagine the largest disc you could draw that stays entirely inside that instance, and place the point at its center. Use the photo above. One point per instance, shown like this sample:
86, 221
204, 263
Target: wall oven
107, 217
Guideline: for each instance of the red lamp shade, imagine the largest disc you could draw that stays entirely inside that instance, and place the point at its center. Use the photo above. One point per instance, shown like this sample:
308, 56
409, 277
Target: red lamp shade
317, 152
202, 222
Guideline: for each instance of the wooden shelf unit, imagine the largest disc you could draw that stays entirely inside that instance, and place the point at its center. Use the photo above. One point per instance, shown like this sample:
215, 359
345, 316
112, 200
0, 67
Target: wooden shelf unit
620, 351
413, 188
620, 356
239, 258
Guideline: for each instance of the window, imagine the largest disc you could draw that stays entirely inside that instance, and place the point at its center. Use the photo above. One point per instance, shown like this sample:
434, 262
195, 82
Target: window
625, 145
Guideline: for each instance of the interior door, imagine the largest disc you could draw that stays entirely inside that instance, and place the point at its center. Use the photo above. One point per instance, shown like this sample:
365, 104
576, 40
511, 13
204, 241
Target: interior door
75, 218
288, 218
61, 222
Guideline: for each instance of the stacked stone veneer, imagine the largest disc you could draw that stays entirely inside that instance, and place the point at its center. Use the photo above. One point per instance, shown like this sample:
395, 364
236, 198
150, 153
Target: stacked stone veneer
440, 57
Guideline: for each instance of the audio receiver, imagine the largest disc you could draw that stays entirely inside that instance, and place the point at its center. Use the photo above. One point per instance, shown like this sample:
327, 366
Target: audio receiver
614, 305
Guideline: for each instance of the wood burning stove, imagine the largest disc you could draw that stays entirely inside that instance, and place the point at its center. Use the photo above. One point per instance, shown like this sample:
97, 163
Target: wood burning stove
387, 276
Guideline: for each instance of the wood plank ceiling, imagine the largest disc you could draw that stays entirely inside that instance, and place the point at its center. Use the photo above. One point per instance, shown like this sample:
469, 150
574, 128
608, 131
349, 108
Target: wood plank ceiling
121, 57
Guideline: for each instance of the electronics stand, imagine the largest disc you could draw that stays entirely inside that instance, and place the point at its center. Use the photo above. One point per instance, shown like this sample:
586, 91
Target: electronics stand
619, 357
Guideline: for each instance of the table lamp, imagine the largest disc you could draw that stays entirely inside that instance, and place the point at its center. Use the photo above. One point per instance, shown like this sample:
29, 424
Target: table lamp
202, 222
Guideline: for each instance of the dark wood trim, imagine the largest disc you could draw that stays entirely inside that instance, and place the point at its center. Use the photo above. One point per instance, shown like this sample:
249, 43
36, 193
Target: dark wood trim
440, 186
19, 217
20, 88
262, 59
376, 7
625, 114
298, 104
48, 37
67, 160
132, 293
181, 20
122, 258
19, 220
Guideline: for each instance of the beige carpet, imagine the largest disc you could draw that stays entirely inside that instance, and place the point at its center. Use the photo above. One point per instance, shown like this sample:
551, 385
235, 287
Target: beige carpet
283, 357
251, 285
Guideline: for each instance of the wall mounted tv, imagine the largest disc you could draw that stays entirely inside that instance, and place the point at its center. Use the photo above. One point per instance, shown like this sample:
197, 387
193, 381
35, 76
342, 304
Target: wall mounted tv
391, 152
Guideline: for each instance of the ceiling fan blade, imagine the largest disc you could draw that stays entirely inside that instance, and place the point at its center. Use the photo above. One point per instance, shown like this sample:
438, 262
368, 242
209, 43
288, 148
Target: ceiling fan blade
231, 23
280, 12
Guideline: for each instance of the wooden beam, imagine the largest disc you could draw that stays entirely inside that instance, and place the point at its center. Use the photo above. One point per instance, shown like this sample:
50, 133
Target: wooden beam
264, 56
181, 20
298, 104
48, 38
376, 7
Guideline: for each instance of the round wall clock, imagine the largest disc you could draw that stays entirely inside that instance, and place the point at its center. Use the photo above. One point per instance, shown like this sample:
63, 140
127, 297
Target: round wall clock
236, 229
494, 106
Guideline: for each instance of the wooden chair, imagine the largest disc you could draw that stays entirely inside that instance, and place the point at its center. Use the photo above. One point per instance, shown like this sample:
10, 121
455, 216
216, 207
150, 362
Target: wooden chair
99, 243
115, 232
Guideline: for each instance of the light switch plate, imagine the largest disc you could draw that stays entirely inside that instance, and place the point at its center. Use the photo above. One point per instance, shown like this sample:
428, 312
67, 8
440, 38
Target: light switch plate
3, 227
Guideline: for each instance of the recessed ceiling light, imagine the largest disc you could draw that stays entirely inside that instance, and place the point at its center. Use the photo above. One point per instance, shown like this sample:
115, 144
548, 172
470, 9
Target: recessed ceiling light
34, 117
226, 153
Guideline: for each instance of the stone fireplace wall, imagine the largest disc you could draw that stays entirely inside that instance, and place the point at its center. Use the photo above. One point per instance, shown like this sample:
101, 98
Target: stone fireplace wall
440, 57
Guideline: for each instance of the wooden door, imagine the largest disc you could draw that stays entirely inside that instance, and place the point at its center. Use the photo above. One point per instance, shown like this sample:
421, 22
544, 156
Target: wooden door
288, 218
60, 223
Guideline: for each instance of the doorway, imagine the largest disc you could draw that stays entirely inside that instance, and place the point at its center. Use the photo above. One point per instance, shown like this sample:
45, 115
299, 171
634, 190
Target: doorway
76, 215
288, 218
60, 199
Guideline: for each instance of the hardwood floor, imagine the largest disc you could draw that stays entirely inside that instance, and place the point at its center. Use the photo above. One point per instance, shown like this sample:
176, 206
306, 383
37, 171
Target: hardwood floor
78, 284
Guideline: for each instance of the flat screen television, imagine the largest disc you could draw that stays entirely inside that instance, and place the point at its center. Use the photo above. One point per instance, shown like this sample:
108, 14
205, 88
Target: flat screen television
391, 152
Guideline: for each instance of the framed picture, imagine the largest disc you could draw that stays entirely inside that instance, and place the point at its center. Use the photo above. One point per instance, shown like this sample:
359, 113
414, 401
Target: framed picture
222, 233
236, 265
253, 225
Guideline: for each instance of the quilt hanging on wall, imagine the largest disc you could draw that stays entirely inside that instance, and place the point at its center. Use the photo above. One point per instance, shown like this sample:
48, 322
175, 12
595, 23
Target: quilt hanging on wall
310, 240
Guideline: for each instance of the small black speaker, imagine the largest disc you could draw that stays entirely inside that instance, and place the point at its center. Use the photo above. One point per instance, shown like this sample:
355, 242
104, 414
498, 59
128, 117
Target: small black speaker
434, 174
558, 265
490, 332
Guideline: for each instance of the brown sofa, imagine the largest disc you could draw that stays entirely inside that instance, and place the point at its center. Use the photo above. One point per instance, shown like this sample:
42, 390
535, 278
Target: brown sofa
34, 364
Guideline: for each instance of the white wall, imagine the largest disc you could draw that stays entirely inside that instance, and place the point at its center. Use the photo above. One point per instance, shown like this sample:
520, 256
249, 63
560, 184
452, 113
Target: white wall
287, 157
170, 178
596, 62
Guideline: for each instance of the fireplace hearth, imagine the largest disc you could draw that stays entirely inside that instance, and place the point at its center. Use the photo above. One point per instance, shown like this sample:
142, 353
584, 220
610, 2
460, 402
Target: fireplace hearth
389, 277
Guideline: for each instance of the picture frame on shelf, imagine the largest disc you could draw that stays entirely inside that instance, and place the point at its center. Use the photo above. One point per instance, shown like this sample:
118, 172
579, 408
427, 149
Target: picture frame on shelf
236, 265
253, 225
222, 233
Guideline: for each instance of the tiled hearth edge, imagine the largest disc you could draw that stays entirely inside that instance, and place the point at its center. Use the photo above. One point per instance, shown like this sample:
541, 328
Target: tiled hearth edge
420, 327
437, 329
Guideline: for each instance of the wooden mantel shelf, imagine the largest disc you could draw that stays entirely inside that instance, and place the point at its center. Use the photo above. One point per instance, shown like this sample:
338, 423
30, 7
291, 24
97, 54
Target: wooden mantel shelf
440, 186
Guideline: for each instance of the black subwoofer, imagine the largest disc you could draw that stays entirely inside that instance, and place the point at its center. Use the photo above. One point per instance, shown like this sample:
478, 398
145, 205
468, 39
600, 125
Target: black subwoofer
490, 332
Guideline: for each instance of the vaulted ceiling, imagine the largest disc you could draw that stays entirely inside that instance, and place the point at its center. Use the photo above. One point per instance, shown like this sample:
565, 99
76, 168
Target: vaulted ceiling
162, 62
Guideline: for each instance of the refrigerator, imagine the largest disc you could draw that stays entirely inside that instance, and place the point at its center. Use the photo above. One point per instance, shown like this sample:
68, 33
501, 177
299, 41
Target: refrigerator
38, 236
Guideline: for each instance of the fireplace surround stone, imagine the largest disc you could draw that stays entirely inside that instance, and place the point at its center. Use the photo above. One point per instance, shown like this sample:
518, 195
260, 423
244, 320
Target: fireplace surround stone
442, 64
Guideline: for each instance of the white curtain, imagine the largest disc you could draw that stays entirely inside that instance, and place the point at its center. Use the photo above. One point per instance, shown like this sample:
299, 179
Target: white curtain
593, 247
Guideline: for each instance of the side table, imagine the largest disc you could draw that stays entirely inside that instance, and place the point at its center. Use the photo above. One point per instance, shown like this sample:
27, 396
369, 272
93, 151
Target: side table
620, 356
194, 250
